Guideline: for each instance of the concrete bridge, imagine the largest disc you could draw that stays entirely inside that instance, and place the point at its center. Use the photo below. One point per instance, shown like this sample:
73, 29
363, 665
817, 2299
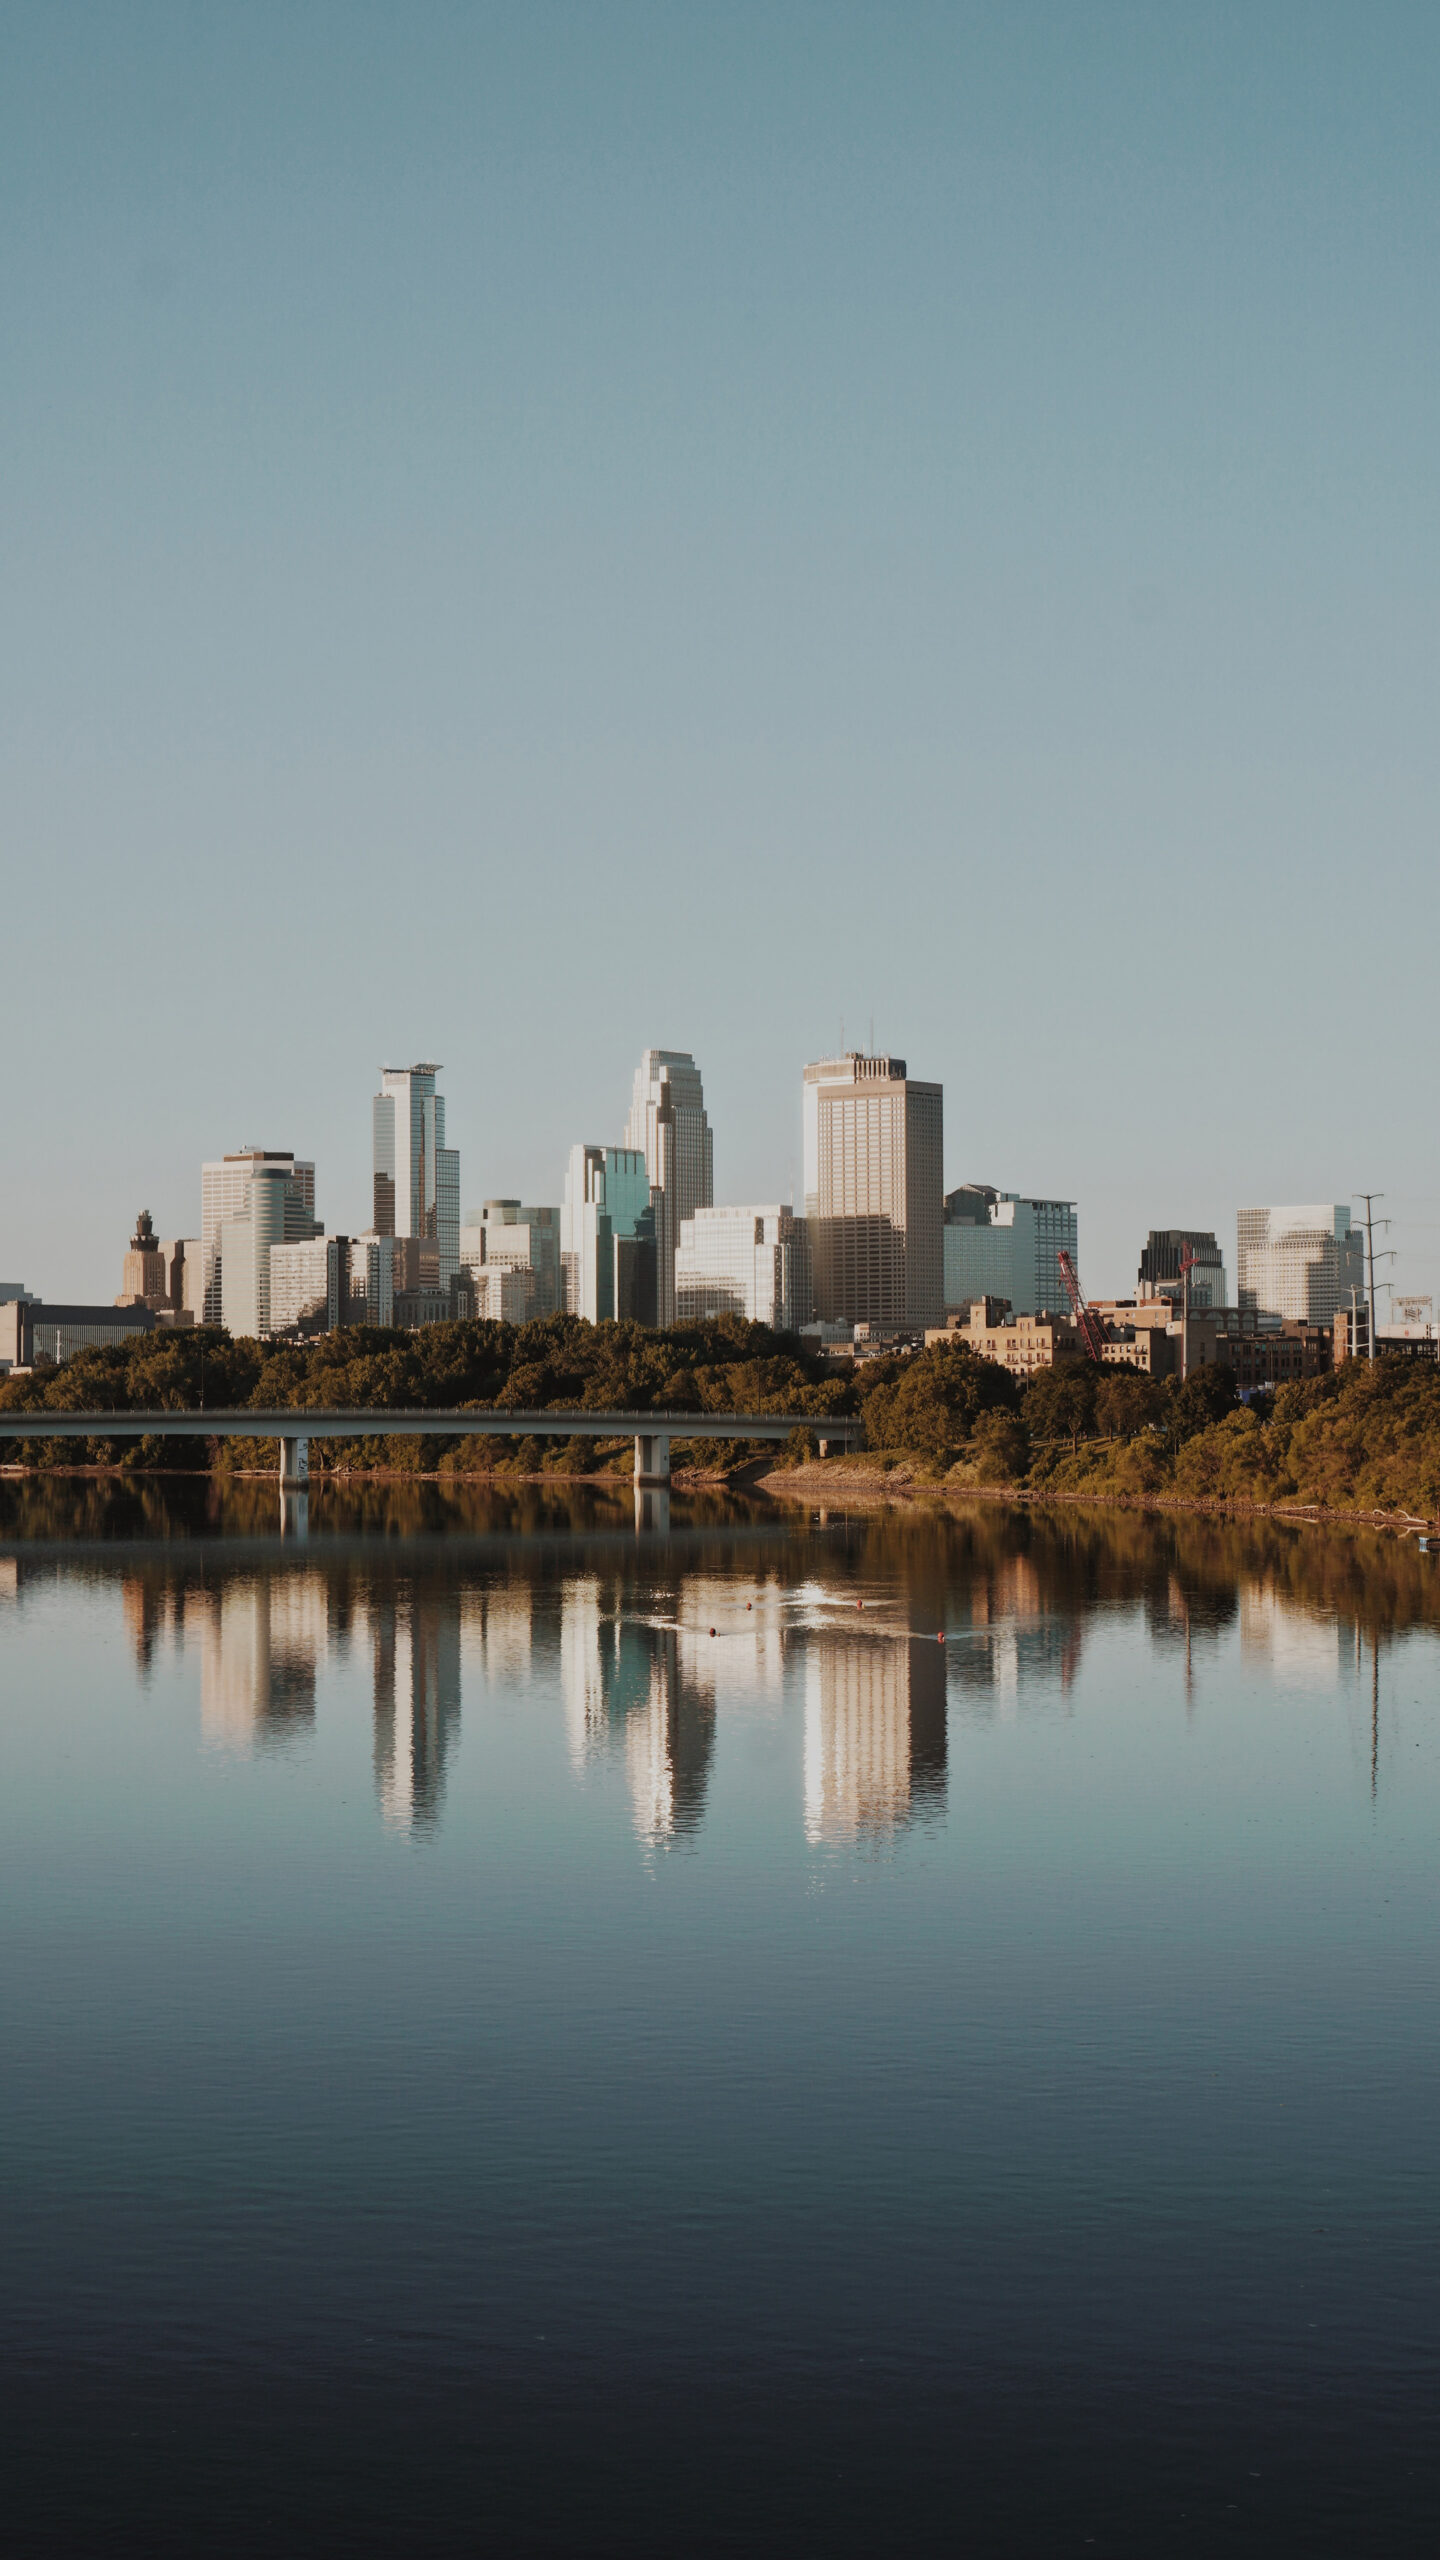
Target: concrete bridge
294, 1429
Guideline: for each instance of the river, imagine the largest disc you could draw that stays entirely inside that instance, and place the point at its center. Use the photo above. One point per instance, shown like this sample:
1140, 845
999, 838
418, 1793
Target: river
528, 2031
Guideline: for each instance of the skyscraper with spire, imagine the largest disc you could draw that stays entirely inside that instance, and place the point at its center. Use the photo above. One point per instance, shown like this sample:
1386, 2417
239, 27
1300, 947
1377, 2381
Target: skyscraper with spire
668, 1125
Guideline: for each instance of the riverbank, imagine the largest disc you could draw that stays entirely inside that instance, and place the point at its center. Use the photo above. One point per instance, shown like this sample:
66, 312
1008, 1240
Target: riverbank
894, 1482
853, 1480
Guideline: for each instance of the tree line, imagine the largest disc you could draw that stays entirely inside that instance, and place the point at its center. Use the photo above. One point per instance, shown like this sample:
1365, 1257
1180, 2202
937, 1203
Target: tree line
1367, 1436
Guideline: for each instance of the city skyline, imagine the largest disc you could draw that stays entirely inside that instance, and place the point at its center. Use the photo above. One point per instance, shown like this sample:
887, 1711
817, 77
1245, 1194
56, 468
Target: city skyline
1114, 1221
872, 1153
722, 1712
1027, 648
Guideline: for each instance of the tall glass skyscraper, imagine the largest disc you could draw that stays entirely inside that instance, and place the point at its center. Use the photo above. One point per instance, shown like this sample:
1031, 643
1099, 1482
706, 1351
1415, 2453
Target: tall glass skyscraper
998, 1245
416, 1176
873, 1192
607, 1235
668, 1126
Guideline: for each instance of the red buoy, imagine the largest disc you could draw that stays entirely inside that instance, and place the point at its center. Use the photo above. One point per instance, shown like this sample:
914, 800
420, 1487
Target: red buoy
712, 1631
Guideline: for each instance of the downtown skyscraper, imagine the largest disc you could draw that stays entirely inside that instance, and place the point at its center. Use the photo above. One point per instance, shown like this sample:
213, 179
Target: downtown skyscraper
416, 1176
668, 1126
266, 1197
873, 1150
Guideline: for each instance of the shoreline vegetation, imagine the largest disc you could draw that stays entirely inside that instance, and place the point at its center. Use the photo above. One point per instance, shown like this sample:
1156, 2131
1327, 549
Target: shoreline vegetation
1362, 1443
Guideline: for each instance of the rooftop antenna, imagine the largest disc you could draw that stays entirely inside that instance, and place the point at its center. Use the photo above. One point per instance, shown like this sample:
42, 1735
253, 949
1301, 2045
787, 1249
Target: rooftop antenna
872, 1035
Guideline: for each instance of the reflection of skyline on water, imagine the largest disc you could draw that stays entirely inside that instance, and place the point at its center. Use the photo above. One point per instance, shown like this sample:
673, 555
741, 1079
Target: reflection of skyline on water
874, 1732
460, 2001
622, 1628
634, 1684
416, 1638
262, 1640
1011, 1636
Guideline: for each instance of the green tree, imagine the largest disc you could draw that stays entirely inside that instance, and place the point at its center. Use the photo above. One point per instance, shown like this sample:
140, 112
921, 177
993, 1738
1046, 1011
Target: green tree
999, 1451
1205, 1397
1060, 1402
1125, 1401
932, 1401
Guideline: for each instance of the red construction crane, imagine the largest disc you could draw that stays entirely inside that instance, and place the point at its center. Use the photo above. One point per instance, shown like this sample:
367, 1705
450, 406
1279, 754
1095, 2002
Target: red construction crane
1085, 1317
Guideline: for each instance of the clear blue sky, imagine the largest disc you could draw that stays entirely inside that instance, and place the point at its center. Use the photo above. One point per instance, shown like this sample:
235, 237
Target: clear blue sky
530, 531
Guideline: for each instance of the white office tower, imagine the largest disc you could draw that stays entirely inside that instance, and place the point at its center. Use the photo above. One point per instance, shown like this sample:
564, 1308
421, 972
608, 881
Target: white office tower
504, 1292
744, 1262
997, 1245
332, 1281
506, 1235
1302, 1263
668, 1126
285, 1215
873, 1153
416, 1176
307, 1285
372, 1280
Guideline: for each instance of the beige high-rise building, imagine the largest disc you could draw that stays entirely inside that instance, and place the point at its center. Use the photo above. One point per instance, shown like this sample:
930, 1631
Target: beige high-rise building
874, 1139
146, 1278
155, 1273
669, 1126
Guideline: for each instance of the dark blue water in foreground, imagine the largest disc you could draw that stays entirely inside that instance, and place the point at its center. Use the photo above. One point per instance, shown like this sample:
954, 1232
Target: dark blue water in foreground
490, 2064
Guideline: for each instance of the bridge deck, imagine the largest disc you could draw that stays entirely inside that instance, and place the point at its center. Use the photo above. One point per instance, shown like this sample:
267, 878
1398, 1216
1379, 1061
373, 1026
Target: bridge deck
328, 1423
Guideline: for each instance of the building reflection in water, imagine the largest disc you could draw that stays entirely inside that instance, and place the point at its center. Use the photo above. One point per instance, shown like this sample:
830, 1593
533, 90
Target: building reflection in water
1300, 1648
1018, 1636
634, 1683
262, 1639
1016, 1596
416, 1637
497, 1631
874, 1732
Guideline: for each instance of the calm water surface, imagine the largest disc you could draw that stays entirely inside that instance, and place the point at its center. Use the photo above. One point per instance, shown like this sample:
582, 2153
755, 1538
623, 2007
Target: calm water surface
527, 2033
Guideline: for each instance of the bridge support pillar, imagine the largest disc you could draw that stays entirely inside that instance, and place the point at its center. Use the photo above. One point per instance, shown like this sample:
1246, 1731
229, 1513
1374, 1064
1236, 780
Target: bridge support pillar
294, 1466
652, 1457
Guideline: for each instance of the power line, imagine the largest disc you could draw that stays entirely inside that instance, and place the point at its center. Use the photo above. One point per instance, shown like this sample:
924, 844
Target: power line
1369, 1198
